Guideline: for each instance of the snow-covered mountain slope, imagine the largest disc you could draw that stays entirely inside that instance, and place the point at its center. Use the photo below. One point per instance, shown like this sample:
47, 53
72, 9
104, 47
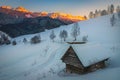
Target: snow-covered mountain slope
42, 61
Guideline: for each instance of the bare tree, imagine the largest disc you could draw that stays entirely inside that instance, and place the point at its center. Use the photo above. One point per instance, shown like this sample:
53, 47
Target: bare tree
75, 31
52, 35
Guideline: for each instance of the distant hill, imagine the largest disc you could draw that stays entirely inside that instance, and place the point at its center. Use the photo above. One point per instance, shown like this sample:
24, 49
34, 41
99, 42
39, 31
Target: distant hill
8, 19
31, 25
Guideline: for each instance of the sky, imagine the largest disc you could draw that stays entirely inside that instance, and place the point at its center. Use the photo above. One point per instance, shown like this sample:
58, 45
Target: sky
75, 7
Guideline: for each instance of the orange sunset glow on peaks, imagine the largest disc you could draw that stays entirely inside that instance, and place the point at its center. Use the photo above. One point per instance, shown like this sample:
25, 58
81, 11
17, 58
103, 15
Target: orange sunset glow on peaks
54, 15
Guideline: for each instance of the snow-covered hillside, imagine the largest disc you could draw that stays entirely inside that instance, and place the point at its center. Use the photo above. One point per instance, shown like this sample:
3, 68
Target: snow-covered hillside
42, 61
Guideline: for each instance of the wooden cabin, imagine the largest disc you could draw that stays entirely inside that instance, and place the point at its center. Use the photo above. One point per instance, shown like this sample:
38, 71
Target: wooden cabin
79, 60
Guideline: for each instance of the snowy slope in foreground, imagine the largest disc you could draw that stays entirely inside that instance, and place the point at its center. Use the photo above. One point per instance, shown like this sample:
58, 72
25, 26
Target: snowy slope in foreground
42, 61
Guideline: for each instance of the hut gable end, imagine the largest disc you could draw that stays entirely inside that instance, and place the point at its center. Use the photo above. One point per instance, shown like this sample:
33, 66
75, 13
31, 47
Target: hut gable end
71, 58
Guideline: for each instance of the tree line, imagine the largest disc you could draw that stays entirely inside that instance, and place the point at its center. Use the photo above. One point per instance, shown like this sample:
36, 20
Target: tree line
63, 35
110, 10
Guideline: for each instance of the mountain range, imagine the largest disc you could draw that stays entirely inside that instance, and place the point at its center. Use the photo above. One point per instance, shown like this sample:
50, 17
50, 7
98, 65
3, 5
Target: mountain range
20, 21
24, 13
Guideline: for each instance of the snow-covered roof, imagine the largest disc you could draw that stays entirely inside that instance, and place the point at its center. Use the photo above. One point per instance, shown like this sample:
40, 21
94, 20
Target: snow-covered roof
90, 54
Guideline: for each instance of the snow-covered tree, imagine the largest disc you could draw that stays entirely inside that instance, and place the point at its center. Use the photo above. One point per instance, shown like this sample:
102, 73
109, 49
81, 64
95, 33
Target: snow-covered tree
104, 12
85, 17
52, 35
118, 9
4, 39
91, 15
119, 15
60, 35
112, 20
36, 39
75, 31
96, 13
14, 42
24, 40
63, 35
99, 13
111, 8
108, 10
85, 38
1, 41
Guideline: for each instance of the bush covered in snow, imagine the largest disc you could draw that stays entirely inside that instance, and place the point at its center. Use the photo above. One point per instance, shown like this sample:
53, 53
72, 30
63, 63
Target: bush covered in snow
85, 38
4, 39
36, 39
14, 42
24, 40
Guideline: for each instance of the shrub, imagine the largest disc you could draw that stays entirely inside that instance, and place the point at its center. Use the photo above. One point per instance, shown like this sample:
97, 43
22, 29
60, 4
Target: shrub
35, 40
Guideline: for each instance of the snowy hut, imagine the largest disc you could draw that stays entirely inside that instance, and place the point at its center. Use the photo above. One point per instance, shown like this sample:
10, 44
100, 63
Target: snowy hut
82, 58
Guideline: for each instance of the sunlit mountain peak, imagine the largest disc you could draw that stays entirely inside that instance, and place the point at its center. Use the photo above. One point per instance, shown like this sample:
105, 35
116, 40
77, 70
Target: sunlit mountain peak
6, 7
21, 9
